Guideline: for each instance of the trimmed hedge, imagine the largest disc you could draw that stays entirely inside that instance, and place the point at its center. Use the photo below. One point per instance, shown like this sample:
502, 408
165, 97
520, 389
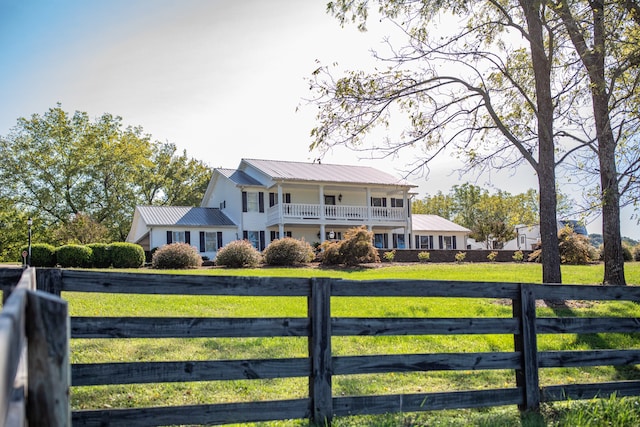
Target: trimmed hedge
74, 256
42, 255
101, 255
126, 255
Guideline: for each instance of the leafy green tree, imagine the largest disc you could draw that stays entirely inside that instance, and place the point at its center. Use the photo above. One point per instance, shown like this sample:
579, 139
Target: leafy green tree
82, 176
174, 179
81, 230
439, 204
61, 165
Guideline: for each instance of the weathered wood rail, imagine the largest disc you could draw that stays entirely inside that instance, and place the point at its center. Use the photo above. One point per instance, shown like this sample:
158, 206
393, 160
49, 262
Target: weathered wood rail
34, 354
319, 327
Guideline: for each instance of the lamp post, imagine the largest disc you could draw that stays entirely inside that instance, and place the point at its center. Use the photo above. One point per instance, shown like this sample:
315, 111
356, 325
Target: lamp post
29, 223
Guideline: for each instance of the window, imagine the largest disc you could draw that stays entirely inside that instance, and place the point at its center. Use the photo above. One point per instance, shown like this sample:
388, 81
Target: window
398, 241
256, 238
379, 202
397, 203
210, 241
424, 242
329, 200
273, 198
252, 201
275, 235
380, 240
448, 242
178, 237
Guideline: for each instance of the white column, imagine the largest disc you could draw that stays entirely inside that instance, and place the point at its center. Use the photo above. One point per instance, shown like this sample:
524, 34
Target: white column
280, 213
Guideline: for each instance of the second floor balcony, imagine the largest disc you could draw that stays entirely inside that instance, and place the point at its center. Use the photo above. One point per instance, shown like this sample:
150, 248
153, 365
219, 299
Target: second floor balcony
305, 213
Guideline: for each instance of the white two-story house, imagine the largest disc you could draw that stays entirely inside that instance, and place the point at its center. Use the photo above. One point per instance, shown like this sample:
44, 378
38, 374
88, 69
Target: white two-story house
263, 200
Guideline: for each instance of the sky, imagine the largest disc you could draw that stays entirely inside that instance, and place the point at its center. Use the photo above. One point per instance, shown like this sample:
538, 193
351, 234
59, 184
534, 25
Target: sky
222, 79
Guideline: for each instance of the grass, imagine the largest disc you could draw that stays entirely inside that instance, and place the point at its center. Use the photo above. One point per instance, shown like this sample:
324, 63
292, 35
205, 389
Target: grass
618, 412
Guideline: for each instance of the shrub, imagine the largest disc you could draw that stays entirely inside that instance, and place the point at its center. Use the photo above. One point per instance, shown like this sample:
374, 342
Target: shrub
74, 256
126, 255
176, 255
288, 251
356, 248
424, 256
330, 253
101, 255
636, 253
492, 256
390, 255
42, 255
518, 256
238, 254
626, 252
460, 256
574, 248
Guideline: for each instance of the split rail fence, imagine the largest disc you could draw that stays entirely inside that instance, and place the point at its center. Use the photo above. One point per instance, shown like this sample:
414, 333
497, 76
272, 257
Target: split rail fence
319, 327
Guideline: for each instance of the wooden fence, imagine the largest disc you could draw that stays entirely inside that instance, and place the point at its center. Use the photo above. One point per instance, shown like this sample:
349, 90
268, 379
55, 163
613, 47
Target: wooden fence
34, 354
319, 327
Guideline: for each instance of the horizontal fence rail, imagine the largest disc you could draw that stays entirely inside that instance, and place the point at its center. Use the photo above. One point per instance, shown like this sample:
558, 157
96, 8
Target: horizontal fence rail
321, 364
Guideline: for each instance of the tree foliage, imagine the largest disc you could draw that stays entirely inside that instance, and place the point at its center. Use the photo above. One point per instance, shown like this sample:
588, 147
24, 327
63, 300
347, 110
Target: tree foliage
78, 177
490, 217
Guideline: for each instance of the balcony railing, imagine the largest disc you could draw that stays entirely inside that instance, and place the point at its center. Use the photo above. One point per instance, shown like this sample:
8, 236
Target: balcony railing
315, 213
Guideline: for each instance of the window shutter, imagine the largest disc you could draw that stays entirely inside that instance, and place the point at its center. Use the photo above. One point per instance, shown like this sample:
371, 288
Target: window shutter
287, 197
440, 241
219, 236
273, 235
202, 246
430, 242
244, 201
169, 237
261, 201
287, 234
454, 242
272, 199
417, 242
384, 202
187, 237
262, 239
245, 235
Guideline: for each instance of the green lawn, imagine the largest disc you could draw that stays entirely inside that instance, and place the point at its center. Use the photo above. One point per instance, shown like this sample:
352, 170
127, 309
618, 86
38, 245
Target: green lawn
622, 411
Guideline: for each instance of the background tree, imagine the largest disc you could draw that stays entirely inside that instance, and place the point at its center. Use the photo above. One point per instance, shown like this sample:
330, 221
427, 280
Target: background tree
490, 217
60, 168
464, 88
172, 179
80, 230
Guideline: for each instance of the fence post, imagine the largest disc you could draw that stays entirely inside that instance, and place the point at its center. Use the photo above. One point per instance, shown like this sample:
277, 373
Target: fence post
47, 329
49, 280
524, 309
319, 311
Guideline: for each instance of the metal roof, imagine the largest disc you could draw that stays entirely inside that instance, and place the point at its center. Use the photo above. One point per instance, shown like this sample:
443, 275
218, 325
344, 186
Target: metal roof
239, 177
422, 222
320, 172
183, 215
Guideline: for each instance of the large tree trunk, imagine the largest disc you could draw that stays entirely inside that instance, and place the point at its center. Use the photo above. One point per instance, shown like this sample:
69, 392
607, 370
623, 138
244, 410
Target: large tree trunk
593, 59
546, 151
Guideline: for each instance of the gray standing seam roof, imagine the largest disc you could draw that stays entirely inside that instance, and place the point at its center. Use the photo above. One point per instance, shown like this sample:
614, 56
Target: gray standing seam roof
183, 215
239, 177
299, 171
